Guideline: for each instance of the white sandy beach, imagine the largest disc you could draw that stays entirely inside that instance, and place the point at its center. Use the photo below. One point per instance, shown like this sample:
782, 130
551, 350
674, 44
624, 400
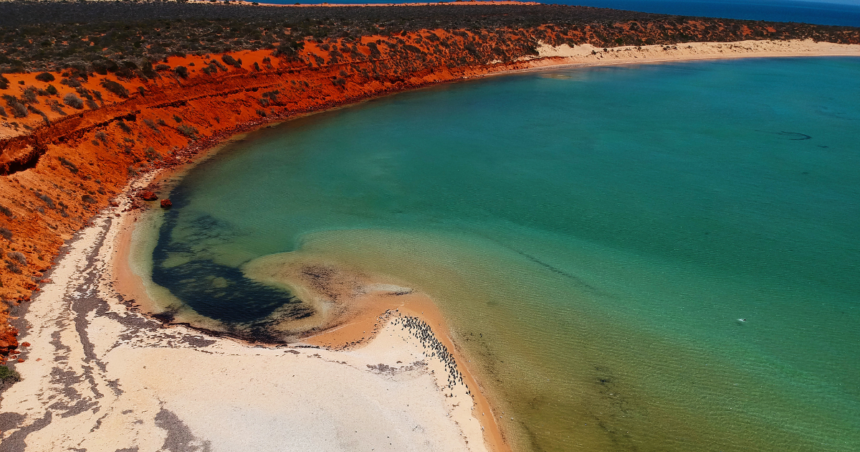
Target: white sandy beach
594, 56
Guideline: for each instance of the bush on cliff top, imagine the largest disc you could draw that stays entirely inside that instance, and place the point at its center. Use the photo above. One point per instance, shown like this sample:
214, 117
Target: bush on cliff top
227, 59
115, 88
188, 131
19, 110
10, 266
18, 257
73, 101
45, 77
69, 165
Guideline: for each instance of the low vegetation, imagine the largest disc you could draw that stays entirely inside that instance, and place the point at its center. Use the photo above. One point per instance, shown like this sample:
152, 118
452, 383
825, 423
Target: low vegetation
8, 376
133, 39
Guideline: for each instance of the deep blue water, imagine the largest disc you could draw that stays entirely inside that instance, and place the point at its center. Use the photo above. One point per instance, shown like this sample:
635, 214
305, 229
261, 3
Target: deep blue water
822, 13
778, 11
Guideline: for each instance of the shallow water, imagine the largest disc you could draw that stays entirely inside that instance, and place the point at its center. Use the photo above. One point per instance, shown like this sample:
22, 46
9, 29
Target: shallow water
592, 234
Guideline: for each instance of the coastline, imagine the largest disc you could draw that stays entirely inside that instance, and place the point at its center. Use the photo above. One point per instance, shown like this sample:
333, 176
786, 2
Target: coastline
112, 236
367, 331
133, 382
587, 55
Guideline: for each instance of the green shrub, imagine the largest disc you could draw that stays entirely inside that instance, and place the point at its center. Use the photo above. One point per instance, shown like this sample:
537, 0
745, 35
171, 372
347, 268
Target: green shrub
30, 95
227, 59
17, 256
188, 131
73, 101
9, 375
45, 77
123, 126
115, 88
150, 154
151, 124
18, 108
71, 166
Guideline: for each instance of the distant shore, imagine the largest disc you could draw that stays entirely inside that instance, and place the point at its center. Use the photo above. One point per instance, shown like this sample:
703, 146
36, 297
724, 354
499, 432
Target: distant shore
335, 5
693, 51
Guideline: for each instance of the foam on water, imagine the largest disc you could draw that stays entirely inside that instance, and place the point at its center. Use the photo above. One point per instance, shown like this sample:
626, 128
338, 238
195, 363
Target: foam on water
594, 237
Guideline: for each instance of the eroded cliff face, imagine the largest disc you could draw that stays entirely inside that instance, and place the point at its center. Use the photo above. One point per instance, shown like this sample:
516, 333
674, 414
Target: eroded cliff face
61, 165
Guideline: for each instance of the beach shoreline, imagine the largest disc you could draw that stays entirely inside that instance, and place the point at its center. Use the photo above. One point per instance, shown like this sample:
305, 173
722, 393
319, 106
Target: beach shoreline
588, 55
102, 336
365, 327
100, 331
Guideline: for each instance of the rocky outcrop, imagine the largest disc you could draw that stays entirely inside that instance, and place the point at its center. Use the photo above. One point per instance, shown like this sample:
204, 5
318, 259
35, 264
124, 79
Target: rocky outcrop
8, 341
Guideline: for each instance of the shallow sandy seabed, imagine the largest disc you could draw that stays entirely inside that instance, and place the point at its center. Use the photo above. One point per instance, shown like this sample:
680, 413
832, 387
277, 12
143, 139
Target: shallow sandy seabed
102, 377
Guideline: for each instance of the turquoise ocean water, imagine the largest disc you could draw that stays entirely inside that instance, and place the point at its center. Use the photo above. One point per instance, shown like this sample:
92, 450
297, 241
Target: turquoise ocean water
593, 235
